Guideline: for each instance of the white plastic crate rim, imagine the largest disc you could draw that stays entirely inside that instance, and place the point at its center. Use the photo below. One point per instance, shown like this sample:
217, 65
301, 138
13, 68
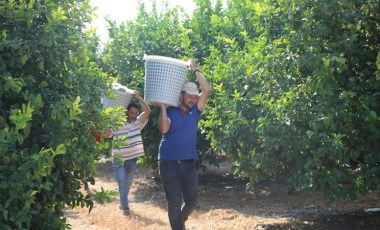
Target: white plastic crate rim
123, 96
164, 78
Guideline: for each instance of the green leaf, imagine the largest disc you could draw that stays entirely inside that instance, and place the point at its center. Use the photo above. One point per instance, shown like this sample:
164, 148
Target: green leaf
21, 117
371, 116
15, 84
58, 14
44, 84
38, 101
61, 149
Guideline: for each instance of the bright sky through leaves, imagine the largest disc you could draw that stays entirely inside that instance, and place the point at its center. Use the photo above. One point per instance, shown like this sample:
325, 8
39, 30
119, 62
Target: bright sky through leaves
121, 10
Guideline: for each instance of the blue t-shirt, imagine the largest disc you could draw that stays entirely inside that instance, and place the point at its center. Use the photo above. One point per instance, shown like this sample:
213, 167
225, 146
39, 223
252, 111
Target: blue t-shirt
179, 143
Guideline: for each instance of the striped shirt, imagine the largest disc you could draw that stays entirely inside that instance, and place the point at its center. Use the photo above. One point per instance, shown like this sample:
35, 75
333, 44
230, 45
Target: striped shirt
133, 146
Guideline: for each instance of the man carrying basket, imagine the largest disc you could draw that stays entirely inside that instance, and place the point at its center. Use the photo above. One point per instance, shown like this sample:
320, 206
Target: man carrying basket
178, 151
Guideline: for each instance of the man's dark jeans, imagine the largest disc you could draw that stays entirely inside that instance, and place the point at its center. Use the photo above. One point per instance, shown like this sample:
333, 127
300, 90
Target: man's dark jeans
179, 179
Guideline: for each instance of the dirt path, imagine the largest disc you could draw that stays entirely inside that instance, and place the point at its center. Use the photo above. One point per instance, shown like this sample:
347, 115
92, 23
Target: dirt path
224, 204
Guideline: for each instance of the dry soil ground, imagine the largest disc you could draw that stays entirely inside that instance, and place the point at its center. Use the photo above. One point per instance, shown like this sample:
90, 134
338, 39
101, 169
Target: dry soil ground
224, 204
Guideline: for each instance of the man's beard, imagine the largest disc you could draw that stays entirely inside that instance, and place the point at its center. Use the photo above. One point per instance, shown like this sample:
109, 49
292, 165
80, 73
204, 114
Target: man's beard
189, 105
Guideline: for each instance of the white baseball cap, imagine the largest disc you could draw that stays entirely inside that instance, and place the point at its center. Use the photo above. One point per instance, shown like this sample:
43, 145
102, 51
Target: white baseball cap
190, 88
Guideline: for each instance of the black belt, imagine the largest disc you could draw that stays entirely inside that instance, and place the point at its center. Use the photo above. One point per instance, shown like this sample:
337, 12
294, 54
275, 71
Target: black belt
178, 161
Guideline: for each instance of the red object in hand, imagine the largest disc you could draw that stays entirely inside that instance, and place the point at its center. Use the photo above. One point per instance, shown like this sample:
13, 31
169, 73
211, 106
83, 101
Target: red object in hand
97, 136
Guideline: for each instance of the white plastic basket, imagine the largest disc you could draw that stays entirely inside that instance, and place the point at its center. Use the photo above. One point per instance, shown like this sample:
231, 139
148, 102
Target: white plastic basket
123, 96
164, 78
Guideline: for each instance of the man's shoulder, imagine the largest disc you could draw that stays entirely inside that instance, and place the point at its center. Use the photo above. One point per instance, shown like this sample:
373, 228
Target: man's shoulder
196, 109
172, 109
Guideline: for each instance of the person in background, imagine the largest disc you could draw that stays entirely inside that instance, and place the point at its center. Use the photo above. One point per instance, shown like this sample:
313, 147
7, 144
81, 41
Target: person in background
178, 151
125, 157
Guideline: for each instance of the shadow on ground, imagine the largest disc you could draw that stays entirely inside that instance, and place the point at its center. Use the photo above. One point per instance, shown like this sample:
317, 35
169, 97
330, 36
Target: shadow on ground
306, 210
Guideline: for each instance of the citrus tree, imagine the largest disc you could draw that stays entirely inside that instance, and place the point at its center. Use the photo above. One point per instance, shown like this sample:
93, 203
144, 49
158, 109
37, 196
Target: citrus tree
299, 102
49, 108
